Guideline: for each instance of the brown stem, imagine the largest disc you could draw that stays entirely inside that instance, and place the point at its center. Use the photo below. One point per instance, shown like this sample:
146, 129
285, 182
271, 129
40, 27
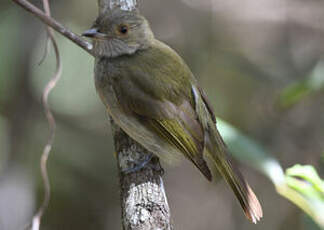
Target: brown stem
55, 25
51, 121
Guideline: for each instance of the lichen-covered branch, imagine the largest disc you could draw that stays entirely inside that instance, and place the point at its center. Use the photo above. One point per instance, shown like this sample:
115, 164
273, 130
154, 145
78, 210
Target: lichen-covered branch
122, 4
143, 199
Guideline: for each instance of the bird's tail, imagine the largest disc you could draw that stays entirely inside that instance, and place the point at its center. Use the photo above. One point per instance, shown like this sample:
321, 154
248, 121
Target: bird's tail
217, 151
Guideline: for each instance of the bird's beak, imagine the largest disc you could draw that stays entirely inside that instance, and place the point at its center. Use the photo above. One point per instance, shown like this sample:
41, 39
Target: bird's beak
92, 33
95, 34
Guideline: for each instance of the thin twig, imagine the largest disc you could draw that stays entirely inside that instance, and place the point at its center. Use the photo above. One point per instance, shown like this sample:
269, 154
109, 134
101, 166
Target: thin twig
55, 25
51, 121
46, 50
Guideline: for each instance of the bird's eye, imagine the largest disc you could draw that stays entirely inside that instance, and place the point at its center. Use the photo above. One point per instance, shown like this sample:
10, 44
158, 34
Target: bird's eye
123, 29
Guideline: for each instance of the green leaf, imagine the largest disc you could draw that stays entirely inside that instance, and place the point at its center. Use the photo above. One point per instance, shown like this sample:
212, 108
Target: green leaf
307, 193
251, 152
308, 174
297, 91
294, 93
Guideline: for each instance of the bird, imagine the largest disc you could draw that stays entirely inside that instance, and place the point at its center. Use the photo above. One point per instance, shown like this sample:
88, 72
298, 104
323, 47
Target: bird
152, 95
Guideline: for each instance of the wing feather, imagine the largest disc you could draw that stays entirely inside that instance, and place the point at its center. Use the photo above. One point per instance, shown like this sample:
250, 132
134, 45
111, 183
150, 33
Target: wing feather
173, 132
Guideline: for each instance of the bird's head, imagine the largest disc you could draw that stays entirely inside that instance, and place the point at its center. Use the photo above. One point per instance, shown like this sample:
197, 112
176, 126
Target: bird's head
119, 32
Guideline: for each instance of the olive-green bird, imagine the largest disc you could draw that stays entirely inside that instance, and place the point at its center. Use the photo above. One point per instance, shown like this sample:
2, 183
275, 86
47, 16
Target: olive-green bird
152, 95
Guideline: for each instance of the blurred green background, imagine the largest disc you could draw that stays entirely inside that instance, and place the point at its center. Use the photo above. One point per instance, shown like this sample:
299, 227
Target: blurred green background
259, 61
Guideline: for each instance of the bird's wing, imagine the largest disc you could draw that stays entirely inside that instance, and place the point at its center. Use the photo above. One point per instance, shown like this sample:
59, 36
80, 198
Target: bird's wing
186, 134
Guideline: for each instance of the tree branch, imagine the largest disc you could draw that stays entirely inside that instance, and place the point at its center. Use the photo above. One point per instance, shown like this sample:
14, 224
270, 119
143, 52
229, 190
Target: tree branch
122, 4
87, 46
143, 200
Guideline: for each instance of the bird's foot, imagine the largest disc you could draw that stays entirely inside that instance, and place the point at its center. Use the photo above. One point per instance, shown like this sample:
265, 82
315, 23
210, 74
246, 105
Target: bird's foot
138, 165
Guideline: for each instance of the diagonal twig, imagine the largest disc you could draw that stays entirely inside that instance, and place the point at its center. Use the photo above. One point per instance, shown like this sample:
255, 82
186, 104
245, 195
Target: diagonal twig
87, 46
